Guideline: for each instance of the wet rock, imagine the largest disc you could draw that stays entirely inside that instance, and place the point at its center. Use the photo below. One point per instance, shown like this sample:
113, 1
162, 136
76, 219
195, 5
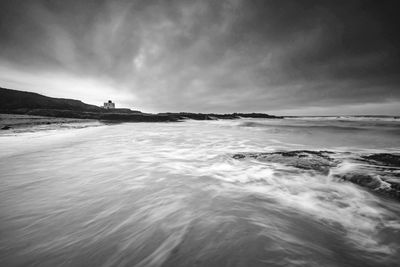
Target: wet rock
395, 183
238, 156
376, 183
380, 174
303, 159
384, 159
363, 180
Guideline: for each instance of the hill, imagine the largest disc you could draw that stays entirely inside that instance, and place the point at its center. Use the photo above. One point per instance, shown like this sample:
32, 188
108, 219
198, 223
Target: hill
28, 103
19, 100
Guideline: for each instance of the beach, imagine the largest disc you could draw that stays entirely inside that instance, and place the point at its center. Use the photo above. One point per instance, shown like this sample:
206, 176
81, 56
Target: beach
301, 191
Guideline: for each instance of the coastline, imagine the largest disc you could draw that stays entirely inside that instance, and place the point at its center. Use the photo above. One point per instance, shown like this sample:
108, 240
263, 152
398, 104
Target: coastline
28, 103
16, 123
11, 120
382, 163
259, 169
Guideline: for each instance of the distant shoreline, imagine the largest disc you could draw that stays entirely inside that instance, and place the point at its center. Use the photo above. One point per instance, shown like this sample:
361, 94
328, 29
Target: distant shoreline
345, 116
41, 118
28, 103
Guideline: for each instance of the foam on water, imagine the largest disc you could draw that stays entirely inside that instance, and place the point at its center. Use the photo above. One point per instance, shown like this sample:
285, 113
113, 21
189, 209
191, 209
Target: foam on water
172, 195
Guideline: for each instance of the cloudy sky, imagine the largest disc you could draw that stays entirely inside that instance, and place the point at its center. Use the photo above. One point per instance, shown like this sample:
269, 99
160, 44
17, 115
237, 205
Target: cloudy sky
295, 57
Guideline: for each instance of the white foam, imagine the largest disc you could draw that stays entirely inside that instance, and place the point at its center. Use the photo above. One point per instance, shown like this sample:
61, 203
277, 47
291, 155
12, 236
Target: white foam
145, 175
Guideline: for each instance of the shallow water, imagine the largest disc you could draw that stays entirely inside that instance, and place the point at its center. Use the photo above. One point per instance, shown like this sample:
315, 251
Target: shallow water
170, 194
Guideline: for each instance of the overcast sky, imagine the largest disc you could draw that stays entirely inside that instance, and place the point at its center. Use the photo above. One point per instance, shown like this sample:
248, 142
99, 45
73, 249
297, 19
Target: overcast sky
282, 57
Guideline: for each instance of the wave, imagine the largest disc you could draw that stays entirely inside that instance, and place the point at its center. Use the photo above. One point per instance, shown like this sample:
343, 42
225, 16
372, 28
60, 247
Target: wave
379, 172
197, 193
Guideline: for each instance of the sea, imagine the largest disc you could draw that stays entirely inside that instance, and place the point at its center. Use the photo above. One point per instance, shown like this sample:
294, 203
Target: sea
244, 192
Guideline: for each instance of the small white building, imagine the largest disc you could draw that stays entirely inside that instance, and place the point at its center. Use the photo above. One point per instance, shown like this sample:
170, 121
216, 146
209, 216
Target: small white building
109, 105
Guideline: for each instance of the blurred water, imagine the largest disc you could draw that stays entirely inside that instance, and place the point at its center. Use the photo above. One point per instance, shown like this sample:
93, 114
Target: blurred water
170, 194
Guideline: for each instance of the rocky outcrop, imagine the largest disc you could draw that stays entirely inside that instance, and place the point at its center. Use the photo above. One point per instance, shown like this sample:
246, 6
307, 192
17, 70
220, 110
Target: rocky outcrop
379, 172
214, 116
384, 159
303, 159
28, 103
257, 115
380, 184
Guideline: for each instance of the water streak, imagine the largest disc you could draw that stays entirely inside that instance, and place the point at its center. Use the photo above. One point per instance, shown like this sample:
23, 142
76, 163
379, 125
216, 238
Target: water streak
171, 194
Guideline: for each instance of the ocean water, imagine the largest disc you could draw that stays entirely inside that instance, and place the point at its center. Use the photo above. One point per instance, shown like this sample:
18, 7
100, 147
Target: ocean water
173, 194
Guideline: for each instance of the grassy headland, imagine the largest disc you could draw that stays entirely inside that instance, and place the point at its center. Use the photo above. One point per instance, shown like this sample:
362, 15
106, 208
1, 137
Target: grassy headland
28, 103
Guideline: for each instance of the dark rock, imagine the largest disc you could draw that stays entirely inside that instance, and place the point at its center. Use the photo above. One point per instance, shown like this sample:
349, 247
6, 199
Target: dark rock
142, 117
381, 179
303, 159
384, 159
363, 180
394, 183
376, 183
238, 156
199, 116
6, 127
257, 115
213, 116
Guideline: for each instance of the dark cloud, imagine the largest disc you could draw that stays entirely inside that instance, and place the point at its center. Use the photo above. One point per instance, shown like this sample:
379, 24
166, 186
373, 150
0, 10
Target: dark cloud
219, 56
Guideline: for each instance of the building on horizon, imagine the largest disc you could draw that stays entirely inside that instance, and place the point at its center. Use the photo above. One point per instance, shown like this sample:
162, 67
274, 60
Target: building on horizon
109, 105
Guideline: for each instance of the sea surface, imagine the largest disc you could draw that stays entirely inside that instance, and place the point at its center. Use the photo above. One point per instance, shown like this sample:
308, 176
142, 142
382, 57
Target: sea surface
174, 194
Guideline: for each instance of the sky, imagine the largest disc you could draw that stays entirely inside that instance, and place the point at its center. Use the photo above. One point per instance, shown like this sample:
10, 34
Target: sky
282, 57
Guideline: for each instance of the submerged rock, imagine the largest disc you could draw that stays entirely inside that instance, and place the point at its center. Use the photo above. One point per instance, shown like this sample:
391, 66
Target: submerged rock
386, 167
372, 182
303, 159
376, 183
379, 175
384, 158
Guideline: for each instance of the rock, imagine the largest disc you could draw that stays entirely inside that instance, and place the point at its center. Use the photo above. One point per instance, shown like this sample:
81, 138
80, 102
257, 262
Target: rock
6, 127
238, 156
363, 180
375, 183
395, 183
384, 158
379, 179
303, 159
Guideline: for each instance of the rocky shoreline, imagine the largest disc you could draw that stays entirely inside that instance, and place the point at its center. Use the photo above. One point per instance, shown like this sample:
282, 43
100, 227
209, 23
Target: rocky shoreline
28, 103
59, 116
134, 116
379, 172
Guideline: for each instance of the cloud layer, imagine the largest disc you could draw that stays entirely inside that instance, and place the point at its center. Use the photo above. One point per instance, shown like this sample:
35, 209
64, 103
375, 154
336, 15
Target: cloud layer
325, 57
